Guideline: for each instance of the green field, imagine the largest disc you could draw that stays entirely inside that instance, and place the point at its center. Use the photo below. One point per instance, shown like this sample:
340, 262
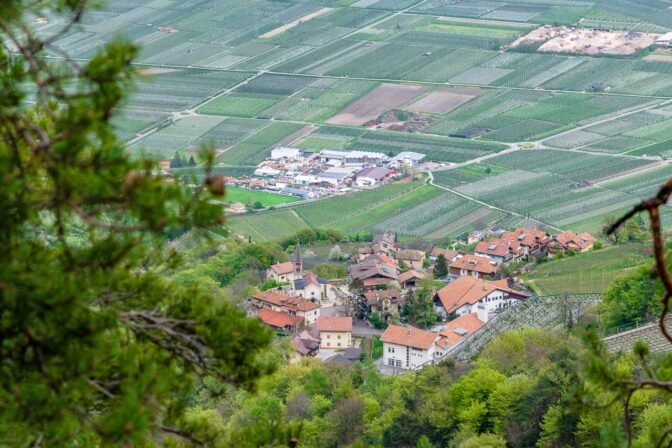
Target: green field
263, 226
587, 272
237, 106
245, 196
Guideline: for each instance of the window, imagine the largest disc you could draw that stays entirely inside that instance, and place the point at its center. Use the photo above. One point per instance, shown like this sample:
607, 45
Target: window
398, 362
390, 362
339, 336
390, 349
339, 344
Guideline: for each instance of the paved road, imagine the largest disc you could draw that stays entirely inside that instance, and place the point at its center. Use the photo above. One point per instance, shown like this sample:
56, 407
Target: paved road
358, 328
363, 330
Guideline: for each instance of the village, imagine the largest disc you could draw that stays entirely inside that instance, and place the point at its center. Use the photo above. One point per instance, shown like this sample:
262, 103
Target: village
295, 172
330, 319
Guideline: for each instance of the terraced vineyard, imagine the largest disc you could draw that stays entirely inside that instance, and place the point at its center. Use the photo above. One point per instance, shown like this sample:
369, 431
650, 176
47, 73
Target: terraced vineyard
591, 271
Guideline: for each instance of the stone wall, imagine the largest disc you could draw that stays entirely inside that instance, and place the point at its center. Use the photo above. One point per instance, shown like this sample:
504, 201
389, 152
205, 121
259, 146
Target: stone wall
649, 333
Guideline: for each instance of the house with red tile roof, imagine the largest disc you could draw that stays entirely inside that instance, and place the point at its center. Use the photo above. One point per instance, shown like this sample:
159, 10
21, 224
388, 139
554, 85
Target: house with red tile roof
279, 320
407, 347
456, 331
569, 240
448, 253
293, 306
335, 331
468, 295
532, 240
281, 272
474, 265
504, 251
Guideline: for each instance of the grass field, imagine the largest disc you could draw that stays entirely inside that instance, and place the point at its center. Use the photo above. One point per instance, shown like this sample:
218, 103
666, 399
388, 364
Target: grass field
264, 226
245, 196
587, 272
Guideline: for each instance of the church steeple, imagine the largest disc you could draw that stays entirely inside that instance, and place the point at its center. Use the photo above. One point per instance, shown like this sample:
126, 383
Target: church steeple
298, 261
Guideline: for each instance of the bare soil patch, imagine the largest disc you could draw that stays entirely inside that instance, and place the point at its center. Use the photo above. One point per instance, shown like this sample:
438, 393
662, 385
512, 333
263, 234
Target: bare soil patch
290, 25
442, 101
372, 105
563, 39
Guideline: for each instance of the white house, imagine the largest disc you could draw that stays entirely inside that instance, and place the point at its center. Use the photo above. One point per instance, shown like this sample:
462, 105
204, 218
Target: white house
281, 272
285, 153
313, 288
406, 347
408, 158
335, 331
468, 295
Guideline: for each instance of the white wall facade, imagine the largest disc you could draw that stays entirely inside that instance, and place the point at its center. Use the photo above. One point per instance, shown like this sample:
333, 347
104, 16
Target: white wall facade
404, 357
335, 339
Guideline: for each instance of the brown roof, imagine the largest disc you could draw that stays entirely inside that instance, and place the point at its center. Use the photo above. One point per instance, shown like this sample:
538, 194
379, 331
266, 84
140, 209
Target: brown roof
459, 328
283, 300
483, 265
408, 336
374, 266
498, 247
410, 254
283, 268
527, 237
469, 290
278, 319
372, 297
376, 281
334, 323
449, 254
405, 276
387, 260
582, 240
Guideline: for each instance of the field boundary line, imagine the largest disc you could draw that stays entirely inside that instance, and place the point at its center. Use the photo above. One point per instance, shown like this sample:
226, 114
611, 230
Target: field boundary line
485, 204
178, 115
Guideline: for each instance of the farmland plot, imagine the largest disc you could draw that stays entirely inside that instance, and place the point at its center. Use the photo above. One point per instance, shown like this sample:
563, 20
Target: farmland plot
257, 146
382, 99
175, 137
575, 166
435, 148
546, 197
435, 218
331, 211
180, 89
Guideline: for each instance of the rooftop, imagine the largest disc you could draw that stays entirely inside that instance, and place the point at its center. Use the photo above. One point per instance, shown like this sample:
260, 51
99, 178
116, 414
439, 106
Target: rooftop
283, 268
278, 319
283, 300
409, 336
469, 290
483, 265
334, 323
